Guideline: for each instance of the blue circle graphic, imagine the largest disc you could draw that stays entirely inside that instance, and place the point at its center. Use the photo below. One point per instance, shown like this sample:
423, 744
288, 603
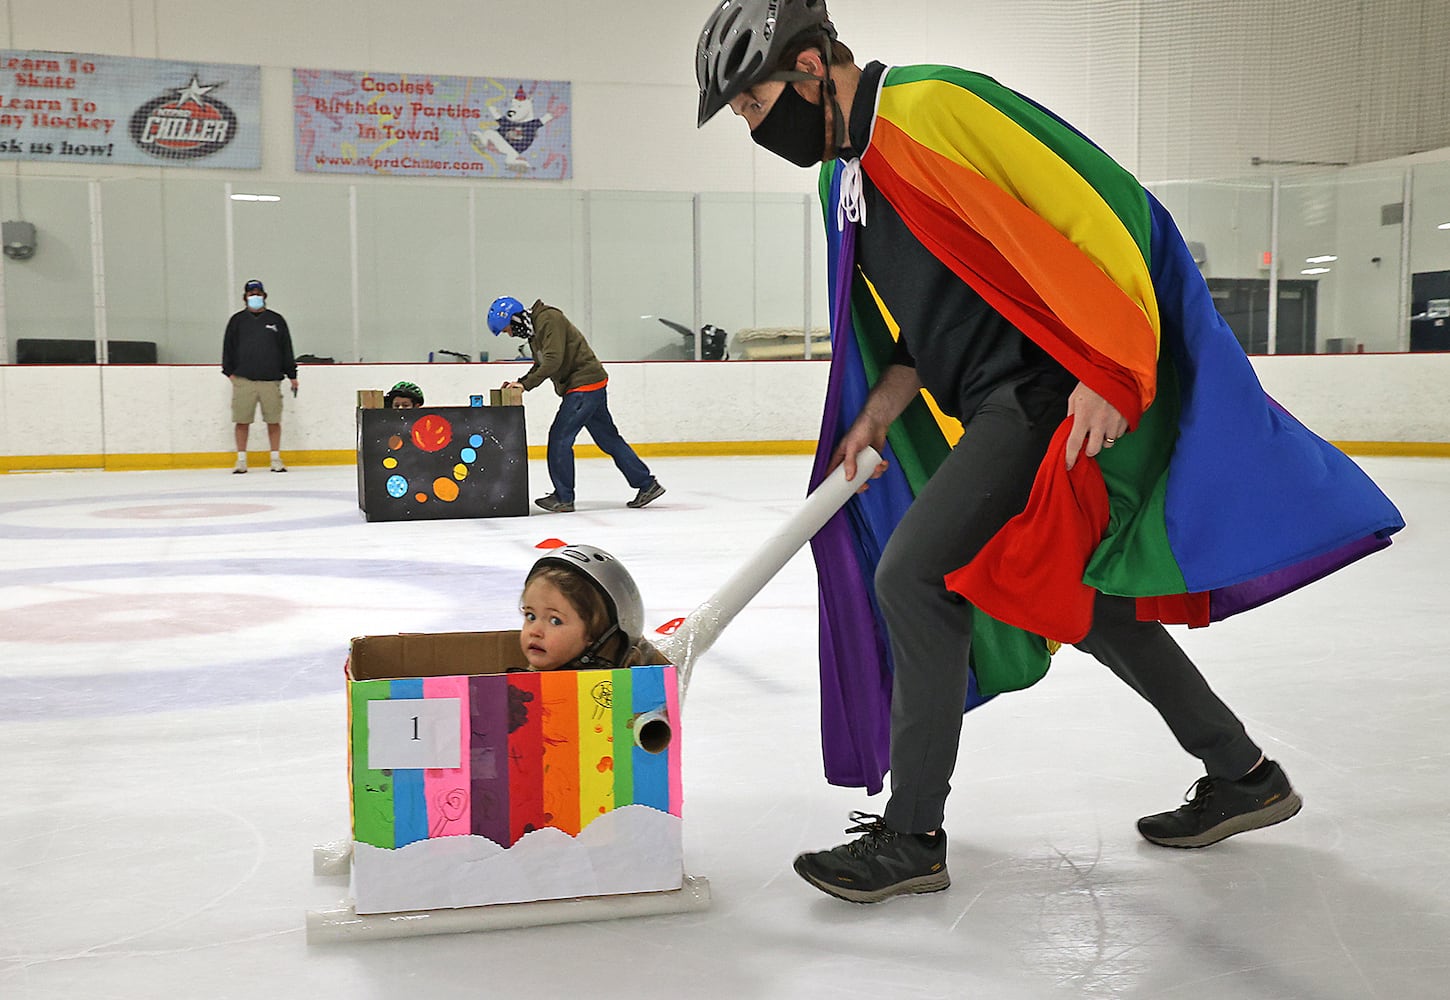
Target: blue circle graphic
397, 486
468, 455
476, 440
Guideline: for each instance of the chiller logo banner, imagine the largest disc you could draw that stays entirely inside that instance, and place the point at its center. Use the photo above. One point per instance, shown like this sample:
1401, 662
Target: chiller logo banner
79, 108
185, 125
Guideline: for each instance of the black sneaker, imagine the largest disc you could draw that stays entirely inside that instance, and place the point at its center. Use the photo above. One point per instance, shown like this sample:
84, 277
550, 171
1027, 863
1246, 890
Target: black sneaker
648, 494
879, 864
1216, 809
554, 505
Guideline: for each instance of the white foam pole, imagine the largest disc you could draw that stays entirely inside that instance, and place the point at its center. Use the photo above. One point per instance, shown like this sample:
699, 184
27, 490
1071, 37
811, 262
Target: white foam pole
703, 625
334, 858
345, 924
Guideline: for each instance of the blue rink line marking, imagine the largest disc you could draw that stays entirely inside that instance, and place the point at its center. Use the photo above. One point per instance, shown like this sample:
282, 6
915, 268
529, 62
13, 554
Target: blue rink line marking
31, 698
239, 525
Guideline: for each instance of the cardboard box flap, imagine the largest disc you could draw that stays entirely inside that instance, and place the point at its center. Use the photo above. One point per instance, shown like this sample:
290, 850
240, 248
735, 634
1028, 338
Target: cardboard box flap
439, 654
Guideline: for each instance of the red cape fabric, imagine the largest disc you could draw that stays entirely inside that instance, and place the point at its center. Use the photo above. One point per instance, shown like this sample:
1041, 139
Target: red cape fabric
1037, 560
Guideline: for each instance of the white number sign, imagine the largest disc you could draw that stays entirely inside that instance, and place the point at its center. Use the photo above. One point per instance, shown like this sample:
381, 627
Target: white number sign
415, 732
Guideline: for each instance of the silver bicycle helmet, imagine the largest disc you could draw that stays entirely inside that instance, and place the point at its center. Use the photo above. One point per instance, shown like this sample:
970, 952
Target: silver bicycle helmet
621, 596
743, 41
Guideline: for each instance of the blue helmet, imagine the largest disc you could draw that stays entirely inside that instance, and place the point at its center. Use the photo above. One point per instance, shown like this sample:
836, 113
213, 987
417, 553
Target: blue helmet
502, 312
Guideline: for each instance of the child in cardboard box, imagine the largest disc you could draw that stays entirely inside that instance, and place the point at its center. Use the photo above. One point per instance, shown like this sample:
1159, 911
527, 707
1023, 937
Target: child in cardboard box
582, 611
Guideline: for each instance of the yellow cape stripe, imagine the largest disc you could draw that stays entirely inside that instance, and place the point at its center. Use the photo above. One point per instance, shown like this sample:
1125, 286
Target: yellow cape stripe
1065, 298
950, 427
984, 140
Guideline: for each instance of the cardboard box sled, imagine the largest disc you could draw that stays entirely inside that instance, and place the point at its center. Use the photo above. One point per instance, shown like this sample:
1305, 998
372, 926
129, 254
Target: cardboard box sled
473, 785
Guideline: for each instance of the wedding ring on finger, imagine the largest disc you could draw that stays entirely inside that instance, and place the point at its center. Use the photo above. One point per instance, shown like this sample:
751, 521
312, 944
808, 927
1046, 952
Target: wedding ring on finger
1108, 442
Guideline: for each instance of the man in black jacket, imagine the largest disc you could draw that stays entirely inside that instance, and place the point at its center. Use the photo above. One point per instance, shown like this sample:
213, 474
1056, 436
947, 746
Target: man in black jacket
256, 356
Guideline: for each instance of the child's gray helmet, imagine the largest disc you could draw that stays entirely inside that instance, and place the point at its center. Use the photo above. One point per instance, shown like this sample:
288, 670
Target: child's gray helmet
743, 41
621, 596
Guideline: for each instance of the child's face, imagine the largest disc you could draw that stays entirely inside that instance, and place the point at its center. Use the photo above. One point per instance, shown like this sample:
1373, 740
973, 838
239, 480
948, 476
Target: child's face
402, 402
553, 632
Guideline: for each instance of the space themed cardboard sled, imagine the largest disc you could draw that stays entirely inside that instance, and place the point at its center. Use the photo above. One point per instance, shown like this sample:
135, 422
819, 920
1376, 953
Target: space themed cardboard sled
472, 785
434, 462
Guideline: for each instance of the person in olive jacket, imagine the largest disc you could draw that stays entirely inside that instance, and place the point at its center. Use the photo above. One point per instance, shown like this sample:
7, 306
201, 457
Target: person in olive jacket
563, 356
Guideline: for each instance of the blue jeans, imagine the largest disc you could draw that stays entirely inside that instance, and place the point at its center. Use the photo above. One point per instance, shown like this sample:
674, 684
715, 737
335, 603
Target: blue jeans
589, 411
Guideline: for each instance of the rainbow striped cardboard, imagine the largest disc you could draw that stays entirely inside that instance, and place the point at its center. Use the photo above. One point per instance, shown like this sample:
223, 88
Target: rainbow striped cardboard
472, 785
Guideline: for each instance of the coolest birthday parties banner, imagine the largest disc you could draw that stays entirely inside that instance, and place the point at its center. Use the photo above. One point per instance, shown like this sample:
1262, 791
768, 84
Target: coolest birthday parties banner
412, 124
75, 108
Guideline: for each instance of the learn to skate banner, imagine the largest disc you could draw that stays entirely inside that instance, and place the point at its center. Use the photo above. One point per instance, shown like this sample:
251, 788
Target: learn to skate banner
74, 108
415, 124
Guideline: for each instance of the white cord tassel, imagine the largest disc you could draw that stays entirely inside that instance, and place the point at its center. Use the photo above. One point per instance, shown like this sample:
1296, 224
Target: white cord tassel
852, 205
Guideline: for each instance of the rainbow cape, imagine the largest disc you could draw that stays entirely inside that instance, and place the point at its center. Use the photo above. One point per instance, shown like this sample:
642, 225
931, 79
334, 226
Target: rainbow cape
1215, 502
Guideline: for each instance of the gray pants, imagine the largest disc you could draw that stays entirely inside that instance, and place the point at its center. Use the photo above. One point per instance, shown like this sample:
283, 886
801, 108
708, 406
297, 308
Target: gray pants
981, 485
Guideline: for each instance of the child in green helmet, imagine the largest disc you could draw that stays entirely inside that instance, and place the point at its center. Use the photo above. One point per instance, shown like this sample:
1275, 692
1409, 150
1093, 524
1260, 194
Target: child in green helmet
403, 396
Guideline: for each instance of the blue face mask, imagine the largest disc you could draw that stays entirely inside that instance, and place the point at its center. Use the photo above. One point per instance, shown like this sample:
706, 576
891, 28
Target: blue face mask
255, 302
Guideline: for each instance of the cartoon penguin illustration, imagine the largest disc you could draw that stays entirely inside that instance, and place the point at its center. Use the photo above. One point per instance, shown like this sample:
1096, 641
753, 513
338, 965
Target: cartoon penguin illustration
513, 133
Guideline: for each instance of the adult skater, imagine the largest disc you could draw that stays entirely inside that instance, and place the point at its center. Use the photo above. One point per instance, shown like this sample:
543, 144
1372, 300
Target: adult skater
1098, 488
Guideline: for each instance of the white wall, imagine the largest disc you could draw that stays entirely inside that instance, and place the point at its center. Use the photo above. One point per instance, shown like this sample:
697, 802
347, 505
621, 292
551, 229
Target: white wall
1364, 397
160, 411
165, 410
1173, 88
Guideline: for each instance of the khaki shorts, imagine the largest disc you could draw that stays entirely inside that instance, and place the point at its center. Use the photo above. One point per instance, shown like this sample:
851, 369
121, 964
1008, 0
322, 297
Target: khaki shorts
246, 395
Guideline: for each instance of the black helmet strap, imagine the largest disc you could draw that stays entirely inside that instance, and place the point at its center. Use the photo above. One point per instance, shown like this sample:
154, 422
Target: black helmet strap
590, 656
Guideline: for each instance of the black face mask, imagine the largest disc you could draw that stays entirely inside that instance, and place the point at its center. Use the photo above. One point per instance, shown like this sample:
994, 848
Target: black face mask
795, 129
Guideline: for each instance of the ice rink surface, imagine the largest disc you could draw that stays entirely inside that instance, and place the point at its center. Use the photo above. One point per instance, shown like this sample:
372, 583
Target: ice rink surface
173, 744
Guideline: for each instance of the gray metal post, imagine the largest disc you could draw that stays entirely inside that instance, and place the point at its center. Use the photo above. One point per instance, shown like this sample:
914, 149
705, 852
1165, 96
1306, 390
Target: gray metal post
352, 248
1273, 344
1402, 332
98, 274
228, 302
806, 282
699, 238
